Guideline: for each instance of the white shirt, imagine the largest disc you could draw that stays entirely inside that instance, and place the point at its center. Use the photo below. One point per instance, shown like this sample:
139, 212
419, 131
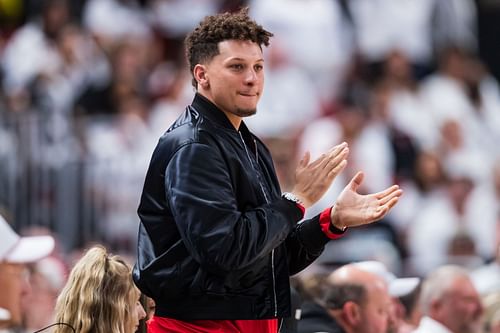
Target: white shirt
384, 25
28, 54
116, 20
320, 43
429, 325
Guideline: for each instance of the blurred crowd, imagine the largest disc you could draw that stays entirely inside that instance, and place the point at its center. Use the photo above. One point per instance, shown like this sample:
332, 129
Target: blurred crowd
93, 292
87, 88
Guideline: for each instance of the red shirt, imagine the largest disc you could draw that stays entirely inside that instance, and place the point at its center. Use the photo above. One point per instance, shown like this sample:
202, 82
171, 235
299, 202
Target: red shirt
169, 325
164, 325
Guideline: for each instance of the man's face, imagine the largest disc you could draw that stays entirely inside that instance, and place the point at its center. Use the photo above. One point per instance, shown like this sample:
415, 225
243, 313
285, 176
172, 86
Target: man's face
375, 312
234, 79
13, 285
460, 308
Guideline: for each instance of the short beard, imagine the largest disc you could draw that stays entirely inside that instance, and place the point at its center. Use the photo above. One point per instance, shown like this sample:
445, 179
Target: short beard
245, 112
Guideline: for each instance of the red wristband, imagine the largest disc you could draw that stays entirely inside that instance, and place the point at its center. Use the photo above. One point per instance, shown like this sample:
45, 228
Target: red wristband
326, 225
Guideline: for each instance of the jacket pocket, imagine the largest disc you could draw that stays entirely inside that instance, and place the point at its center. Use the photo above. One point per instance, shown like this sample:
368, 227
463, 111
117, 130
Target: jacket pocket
168, 275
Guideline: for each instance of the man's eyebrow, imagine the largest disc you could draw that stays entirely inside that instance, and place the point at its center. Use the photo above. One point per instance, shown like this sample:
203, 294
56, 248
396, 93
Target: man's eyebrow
241, 59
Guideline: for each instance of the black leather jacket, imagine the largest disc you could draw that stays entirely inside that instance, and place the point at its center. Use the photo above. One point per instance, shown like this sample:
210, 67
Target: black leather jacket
216, 240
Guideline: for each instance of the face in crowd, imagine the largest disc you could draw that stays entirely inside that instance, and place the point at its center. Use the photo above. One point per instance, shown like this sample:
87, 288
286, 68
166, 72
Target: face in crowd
14, 283
375, 312
460, 307
359, 300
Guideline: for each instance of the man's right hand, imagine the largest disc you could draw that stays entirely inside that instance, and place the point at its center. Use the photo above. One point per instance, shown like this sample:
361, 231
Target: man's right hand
313, 179
354, 209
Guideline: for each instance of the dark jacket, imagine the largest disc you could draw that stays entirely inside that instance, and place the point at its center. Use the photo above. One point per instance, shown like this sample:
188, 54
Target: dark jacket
216, 240
316, 319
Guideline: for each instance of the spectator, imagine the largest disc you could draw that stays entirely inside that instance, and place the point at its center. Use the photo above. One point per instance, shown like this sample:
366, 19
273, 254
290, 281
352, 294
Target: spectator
112, 21
355, 301
47, 278
15, 253
99, 296
404, 293
32, 52
450, 302
149, 307
218, 240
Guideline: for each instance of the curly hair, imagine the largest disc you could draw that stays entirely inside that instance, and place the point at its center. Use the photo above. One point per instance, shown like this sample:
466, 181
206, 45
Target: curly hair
98, 296
202, 43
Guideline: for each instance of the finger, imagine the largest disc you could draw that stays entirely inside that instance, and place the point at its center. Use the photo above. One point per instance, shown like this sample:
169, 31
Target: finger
336, 150
386, 192
338, 147
392, 203
356, 181
319, 161
380, 213
390, 196
384, 209
331, 155
305, 159
338, 169
335, 161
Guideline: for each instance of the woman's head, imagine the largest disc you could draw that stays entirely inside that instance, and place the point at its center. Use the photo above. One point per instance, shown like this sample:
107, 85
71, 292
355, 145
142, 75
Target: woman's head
100, 296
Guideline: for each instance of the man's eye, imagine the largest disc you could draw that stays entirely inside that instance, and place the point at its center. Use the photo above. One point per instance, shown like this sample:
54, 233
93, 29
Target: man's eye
237, 66
258, 68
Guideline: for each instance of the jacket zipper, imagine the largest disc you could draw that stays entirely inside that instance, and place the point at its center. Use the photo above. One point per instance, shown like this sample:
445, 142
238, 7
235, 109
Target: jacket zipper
253, 166
267, 201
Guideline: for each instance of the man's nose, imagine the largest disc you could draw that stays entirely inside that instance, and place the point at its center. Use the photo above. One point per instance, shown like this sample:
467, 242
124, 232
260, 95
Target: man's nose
250, 76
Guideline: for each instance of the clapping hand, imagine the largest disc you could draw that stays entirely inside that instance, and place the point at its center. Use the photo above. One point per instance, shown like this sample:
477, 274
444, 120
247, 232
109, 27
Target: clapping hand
354, 209
312, 179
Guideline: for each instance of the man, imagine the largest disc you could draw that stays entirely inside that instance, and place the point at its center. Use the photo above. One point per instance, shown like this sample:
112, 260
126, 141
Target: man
217, 239
355, 301
399, 290
47, 278
15, 253
450, 303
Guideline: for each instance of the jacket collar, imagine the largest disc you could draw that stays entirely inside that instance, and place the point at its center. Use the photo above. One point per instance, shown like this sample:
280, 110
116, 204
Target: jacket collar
211, 111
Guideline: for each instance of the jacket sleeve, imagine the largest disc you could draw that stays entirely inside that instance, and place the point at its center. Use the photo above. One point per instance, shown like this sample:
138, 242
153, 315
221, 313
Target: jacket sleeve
304, 244
202, 200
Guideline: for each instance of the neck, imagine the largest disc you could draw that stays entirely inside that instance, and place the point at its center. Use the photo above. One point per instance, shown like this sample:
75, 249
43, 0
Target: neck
233, 119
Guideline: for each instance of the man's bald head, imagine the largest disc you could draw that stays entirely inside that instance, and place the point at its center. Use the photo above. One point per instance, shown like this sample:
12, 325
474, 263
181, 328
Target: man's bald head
358, 300
353, 274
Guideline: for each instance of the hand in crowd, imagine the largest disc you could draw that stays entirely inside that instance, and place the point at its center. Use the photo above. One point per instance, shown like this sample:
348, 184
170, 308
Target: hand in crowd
313, 179
354, 209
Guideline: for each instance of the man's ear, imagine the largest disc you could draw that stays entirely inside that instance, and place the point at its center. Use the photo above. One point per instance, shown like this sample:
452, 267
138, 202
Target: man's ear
200, 75
436, 306
352, 313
